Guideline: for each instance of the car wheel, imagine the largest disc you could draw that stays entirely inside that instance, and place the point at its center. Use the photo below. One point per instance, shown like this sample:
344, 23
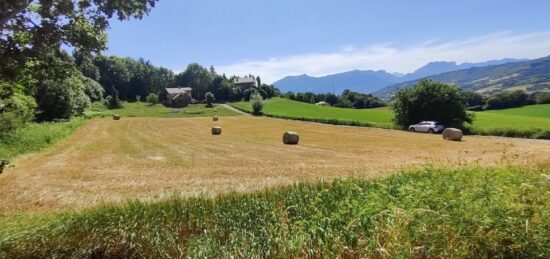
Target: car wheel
431, 131
411, 130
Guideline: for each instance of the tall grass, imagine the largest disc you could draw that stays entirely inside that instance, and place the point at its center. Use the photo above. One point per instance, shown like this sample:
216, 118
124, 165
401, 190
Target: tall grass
35, 136
469, 212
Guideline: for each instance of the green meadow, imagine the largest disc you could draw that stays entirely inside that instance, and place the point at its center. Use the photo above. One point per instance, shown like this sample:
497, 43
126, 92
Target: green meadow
532, 118
141, 109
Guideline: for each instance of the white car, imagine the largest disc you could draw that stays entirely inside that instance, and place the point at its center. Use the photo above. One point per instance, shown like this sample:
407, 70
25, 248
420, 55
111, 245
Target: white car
427, 126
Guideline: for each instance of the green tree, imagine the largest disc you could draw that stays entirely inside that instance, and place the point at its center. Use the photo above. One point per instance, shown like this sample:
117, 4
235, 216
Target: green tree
197, 77
331, 99
209, 97
430, 100
152, 98
257, 103
16, 108
61, 99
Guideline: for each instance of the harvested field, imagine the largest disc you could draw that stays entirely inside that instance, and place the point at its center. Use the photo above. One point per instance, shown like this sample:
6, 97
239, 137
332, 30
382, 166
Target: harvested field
108, 161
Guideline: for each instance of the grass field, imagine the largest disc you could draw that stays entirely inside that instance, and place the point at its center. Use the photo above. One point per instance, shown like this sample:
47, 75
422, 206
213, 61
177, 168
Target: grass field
524, 118
293, 109
36, 136
140, 109
108, 161
430, 213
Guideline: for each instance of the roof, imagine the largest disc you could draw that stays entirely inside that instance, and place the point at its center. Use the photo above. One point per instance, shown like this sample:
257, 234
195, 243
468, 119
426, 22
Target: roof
178, 90
244, 80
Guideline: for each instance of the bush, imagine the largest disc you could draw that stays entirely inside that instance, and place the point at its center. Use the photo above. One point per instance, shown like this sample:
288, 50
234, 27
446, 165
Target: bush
209, 99
152, 98
430, 100
543, 98
93, 89
61, 99
16, 108
113, 102
257, 103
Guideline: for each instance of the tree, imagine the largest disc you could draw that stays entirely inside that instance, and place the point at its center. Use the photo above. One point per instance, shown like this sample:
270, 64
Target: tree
152, 98
331, 99
473, 98
430, 100
197, 77
209, 99
112, 101
257, 103
30, 28
61, 99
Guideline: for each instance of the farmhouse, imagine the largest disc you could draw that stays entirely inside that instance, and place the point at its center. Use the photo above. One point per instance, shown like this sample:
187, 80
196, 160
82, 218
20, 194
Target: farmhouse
244, 82
178, 97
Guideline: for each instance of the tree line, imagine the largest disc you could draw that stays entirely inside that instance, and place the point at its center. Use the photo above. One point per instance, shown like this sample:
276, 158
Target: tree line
347, 99
504, 99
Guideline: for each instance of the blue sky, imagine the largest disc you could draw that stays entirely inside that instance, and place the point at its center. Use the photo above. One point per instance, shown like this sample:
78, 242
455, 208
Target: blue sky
278, 38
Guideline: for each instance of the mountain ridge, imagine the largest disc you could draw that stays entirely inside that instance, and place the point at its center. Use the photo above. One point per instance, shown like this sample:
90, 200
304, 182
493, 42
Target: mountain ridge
368, 81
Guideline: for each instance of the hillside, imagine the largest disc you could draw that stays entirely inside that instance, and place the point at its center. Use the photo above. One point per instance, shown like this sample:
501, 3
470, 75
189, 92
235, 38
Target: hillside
531, 76
370, 81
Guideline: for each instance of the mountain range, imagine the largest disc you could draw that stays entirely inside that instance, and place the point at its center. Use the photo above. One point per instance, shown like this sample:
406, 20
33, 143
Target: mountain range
530, 75
369, 81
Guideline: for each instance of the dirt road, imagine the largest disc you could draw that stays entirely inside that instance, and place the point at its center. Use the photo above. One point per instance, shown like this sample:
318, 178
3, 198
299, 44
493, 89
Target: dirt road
108, 161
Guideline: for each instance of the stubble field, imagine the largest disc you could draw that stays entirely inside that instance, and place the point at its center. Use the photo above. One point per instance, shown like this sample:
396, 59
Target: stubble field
108, 161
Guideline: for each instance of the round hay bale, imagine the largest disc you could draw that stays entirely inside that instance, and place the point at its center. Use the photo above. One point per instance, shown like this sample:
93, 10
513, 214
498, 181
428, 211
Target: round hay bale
215, 118
216, 130
291, 138
116, 117
452, 134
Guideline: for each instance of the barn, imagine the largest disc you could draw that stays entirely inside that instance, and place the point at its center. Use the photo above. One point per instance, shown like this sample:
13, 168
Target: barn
178, 97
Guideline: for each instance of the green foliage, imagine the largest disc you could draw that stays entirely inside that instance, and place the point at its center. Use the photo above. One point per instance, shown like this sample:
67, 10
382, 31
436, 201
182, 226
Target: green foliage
35, 136
473, 99
61, 99
197, 77
79, 24
429, 100
152, 98
508, 99
209, 97
543, 98
257, 103
428, 213
16, 108
347, 99
113, 102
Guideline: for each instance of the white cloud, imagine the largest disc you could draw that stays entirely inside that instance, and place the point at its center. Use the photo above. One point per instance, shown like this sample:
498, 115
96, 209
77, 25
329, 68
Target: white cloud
390, 58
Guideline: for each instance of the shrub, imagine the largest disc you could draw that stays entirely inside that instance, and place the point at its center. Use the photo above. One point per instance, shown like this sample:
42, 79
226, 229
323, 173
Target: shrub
93, 89
113, 102
16, 108
209, 99
257, 103
152, 98
543, 98
430, 100
61, 99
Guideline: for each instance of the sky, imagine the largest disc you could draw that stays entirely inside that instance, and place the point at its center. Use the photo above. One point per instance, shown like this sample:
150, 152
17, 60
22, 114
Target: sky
274, 39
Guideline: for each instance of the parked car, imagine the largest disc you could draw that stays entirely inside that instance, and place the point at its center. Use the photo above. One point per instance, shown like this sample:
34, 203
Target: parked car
427, 126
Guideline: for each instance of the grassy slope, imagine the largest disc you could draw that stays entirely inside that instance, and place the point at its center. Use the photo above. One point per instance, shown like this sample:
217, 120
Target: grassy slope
140, 109
475, 213
289, 108
36, 136
533, 116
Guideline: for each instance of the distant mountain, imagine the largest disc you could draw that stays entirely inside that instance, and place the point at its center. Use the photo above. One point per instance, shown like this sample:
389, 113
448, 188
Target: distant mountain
531, 76
356, 80
370, 81
438, 67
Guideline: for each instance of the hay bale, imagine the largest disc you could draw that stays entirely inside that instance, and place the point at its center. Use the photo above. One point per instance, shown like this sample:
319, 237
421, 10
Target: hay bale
116, 117
216, 130
291, 138
452, 134
215, 118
